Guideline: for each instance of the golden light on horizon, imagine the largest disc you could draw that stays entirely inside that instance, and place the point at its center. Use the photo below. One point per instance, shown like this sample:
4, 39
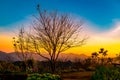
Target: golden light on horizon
6, 43
113, 49
92, 45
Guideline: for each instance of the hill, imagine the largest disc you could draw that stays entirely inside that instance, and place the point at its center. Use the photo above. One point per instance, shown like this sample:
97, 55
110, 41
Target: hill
63, 56
6, 57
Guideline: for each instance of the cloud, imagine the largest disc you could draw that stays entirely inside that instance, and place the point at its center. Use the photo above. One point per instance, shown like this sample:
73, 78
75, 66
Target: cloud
115, 32
109, 39
98, 37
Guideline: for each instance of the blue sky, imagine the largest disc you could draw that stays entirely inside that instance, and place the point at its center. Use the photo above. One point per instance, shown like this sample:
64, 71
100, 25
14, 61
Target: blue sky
103, 17
101, 13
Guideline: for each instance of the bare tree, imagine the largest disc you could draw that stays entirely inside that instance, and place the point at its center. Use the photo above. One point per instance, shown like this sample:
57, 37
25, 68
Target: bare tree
22, 46
55, 33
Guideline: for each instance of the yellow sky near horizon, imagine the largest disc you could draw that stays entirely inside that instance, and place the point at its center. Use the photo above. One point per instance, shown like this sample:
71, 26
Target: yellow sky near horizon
90, 46
6, 43
87, 49
109, 40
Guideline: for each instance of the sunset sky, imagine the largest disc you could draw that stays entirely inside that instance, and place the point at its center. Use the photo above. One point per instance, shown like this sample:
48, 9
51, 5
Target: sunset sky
101, 21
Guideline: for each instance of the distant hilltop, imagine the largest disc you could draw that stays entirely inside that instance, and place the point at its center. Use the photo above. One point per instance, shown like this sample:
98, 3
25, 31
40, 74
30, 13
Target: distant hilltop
63, 56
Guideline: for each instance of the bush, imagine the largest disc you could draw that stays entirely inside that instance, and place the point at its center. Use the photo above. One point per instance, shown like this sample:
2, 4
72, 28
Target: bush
105, 73
6, 67
46, 76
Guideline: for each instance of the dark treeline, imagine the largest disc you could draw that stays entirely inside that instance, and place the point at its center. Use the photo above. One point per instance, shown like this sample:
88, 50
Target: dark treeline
33, 66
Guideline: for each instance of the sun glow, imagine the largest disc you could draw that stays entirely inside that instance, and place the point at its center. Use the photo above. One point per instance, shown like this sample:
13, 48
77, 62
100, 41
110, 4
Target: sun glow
6, 42
109, 40
87, 49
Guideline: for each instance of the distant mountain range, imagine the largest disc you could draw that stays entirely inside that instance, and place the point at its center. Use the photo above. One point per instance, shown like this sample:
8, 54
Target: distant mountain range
14, 57
7, 57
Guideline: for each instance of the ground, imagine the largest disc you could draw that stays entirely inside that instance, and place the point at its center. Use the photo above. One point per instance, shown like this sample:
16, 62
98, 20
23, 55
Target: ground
77, 76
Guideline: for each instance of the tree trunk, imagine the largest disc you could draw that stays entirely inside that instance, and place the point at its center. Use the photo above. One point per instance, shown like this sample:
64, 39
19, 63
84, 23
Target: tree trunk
53, 66
25, 68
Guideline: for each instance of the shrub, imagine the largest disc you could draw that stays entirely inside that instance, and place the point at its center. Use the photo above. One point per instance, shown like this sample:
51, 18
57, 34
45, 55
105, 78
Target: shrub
105, 73
6, 67
46, 76
34, 76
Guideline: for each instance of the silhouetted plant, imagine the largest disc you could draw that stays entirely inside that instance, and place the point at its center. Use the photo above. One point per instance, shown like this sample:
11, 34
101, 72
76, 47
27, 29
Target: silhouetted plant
55, 33
106, 73
6, 67
100, 56
118, 57
103, 53
22, 46
87, 63
78, 63
109, 60
95, 57
31, 64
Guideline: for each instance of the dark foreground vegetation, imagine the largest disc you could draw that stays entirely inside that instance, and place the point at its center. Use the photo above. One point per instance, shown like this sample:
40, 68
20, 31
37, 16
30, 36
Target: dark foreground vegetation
88, 69
26, 76
91, 68
107, 73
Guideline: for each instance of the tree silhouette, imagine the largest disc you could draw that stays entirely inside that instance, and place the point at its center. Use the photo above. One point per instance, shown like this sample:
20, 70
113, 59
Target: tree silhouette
102, 52
55, 33
95, 56
22, 46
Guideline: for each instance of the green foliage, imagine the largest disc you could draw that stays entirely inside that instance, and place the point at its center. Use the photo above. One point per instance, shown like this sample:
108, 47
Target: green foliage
105, 73
46, 76
34, 76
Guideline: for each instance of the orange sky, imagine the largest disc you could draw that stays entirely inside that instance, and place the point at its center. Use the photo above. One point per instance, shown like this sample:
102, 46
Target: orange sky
109, 40
90, 46
6, 42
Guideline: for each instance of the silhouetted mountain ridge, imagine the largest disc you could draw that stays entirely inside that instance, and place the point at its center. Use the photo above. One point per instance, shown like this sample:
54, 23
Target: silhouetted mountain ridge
3, 55
6, 57
63, 56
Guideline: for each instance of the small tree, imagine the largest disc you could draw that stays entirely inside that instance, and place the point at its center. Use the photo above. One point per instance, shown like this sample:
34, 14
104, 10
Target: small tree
22, 46
101, 52
95, 57
55, 33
